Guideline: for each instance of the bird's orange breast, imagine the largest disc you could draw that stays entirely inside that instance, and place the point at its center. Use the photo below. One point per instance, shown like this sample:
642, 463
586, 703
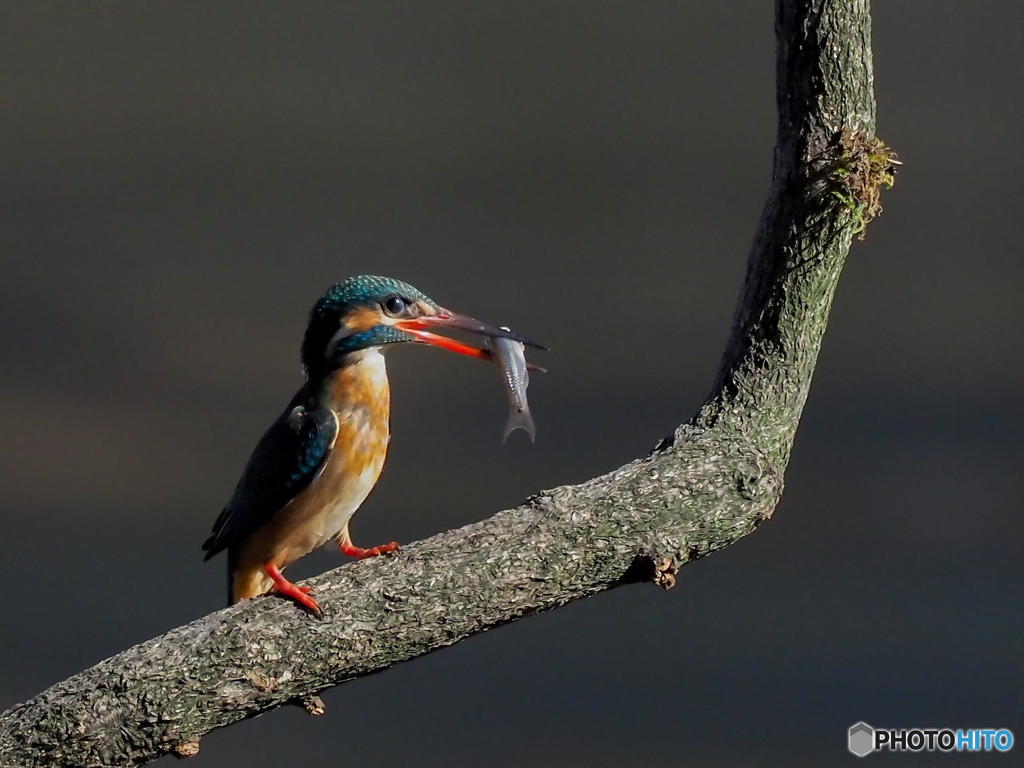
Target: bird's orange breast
359, 397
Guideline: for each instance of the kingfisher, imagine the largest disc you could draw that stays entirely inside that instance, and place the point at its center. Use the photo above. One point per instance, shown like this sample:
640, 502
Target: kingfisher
320, 459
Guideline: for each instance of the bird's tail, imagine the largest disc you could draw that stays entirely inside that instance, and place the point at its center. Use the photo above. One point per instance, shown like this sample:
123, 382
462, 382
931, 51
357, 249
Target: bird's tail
232, 564
246, 580
520, 419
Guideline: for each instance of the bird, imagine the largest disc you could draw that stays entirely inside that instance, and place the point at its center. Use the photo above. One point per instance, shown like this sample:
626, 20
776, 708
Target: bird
319, 460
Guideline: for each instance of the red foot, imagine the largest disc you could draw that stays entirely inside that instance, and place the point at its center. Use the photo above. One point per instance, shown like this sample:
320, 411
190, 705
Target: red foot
350, 549
300, 595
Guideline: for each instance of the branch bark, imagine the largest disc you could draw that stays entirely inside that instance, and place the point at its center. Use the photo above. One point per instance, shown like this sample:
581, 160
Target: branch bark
710, 483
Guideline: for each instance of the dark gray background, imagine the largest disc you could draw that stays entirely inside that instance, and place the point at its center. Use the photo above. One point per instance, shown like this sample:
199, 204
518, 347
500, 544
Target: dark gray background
181, 180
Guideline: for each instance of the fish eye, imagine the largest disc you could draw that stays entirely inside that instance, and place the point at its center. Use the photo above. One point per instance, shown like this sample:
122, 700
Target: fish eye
394, 305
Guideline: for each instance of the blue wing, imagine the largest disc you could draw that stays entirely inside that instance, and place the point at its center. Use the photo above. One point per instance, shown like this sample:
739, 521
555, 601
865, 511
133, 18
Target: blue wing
286, 460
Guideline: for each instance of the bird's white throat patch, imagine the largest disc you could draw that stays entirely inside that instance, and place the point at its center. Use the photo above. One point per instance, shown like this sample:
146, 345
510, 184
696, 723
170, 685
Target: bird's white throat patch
371, 364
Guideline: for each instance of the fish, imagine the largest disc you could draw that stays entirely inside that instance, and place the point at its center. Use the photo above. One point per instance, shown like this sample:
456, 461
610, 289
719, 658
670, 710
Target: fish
510, 357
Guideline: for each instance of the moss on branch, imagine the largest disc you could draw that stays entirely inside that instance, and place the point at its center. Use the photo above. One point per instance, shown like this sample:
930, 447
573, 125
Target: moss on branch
859, 167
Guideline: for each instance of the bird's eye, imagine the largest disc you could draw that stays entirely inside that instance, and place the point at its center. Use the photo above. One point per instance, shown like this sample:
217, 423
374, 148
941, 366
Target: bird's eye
394, 305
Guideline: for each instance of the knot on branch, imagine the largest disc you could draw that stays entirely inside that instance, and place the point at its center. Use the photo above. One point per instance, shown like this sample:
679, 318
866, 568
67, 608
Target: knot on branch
658, 570
261, 682
189, 748
313, 705
857, 167
665, 570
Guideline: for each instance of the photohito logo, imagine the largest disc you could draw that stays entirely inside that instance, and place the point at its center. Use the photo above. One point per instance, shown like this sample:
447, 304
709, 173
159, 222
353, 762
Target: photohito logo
863, 739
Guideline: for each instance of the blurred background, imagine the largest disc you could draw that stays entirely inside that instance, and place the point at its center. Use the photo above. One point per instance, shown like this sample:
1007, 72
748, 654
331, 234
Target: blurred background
180, 181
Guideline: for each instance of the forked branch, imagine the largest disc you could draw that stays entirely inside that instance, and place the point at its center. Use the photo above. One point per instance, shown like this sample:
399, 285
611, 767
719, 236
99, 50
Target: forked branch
714, 480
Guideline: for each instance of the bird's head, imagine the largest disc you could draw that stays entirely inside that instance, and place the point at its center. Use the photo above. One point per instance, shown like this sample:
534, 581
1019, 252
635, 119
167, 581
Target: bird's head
369, 311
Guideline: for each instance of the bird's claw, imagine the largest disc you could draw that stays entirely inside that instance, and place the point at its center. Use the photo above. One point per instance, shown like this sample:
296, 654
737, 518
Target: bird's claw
300, 594
360, 553
383, 549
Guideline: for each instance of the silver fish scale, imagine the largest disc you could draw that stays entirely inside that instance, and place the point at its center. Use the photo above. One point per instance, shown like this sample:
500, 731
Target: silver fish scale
511, 359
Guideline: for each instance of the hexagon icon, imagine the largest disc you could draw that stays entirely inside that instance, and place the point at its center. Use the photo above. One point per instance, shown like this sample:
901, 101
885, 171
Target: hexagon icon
860, 739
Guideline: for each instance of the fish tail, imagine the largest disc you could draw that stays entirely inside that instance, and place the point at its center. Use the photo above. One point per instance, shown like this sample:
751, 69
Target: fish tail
520, 420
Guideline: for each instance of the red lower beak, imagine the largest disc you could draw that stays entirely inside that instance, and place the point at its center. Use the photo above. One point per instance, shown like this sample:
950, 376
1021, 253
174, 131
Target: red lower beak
449, 319
425, 337
446, 318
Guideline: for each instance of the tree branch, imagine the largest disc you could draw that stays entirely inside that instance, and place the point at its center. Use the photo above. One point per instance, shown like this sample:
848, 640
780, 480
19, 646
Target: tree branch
713, 481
